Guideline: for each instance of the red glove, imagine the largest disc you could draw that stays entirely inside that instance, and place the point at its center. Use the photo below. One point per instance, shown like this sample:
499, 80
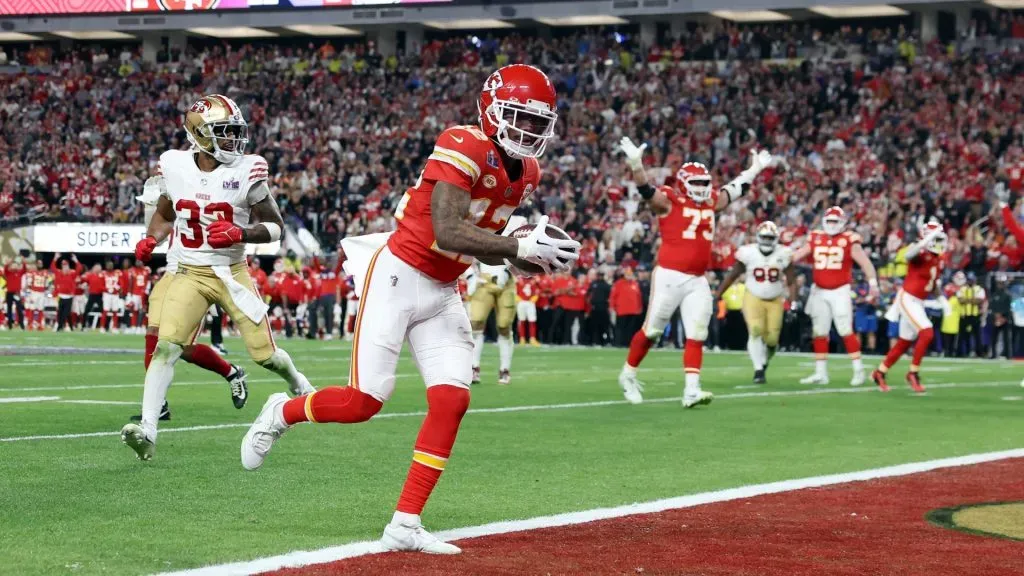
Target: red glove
144, 249
224, 234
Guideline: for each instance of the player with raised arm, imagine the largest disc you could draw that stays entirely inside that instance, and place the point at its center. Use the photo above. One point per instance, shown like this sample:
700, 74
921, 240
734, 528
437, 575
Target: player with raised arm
686, 218
924, 266
212, 200
472, 182
833, 252
764, 266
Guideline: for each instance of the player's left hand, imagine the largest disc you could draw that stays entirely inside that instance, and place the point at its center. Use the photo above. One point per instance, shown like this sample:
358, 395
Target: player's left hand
224, 234
759, 160
634, 154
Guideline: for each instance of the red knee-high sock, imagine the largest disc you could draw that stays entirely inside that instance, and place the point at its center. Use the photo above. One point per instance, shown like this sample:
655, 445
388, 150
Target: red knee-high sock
115, 319
533, 330
693, 356
638, 348
205, 357
852, 343
342, 404
895, 353
522, 330
151, 340
820, 347
446, 406
924, 339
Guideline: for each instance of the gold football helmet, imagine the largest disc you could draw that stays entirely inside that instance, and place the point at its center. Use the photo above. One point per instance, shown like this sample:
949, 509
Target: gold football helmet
215, 125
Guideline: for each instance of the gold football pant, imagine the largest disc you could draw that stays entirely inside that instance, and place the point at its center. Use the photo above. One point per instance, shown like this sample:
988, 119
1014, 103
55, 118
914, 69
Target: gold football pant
763, 318
489, 296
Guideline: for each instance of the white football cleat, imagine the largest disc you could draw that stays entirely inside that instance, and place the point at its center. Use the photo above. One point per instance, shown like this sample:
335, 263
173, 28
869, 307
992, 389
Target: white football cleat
413, 537
698, 398
631, 387
858, 377
267, 428
135, 438
815, 378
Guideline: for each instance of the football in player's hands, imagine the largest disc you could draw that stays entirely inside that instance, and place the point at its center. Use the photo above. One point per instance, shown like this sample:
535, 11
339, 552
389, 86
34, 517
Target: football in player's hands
524, 231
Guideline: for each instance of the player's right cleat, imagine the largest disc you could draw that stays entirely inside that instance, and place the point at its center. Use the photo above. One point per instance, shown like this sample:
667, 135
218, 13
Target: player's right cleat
858, 378
239, 387
504, 378
759, 377
414, 538
879, 379
632, 388
476, 375
914, 380
165, 414
815, 378
699, 398
535, 342
268, 427
135, 438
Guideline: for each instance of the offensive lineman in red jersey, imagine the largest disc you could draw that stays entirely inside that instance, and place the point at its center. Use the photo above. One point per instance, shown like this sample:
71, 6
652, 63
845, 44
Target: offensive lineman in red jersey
924, 259
138, 288
472, 182
833, 252
686, 217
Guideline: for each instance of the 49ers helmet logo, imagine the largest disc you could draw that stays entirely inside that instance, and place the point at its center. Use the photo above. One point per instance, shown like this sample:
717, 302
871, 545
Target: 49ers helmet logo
201, 106
183, 5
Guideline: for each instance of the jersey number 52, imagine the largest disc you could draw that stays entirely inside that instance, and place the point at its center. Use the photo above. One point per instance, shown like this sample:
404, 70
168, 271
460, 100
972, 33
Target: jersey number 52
828, 258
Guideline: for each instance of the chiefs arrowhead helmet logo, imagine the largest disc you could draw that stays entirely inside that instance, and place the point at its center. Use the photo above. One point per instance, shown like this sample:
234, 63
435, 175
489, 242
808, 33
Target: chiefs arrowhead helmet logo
183, 5
493, 82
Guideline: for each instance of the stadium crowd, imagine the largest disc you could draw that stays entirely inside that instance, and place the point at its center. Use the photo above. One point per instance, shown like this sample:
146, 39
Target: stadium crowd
873, 120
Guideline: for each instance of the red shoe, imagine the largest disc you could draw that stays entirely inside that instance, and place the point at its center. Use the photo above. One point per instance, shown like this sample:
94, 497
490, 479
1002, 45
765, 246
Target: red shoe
915, 382
879, 379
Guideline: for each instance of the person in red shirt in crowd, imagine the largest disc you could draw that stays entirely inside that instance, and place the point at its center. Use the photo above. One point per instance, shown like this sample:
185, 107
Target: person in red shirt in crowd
139, 283
292, 293
1009, 220
310, 298
545, 300
572, 299
259, 277
96, 285
113, 303
36, 283
627, 302
65, 282
327, 299
13, 272
527, 294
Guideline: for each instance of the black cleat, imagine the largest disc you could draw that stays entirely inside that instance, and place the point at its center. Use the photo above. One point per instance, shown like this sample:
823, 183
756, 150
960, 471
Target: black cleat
165, 414
759, 377
239, 387
220, 349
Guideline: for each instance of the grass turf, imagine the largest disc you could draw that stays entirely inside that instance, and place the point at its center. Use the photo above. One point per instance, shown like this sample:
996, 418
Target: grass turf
86, 506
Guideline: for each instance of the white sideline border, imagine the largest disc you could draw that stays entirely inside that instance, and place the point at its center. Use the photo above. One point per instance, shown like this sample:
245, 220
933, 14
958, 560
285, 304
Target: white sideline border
301, 559
536, 407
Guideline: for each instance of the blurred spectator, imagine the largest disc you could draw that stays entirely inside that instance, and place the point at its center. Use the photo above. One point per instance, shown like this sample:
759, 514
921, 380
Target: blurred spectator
972, 310
627, 304
599, 323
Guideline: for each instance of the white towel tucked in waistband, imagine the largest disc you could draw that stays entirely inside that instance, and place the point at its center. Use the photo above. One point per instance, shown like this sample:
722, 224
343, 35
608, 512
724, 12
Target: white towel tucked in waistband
247, 301
358, 252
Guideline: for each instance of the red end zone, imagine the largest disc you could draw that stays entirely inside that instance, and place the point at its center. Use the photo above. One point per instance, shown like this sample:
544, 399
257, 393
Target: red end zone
873, 527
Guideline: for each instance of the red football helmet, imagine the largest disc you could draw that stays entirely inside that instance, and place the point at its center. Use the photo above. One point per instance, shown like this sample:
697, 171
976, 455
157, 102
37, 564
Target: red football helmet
694, 180
517, 109
834, 221
938, 245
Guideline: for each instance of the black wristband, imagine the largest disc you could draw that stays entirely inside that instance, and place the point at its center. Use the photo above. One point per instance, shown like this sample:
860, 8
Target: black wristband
646, 191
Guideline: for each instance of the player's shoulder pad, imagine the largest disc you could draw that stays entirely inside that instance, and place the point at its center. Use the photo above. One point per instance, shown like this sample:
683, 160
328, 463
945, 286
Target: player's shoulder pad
743, 253
168, 159
853, 237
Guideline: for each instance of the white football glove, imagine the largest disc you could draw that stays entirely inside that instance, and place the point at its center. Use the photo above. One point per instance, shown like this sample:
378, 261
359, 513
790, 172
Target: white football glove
759, 160
551, 254
634, 154
1002, 193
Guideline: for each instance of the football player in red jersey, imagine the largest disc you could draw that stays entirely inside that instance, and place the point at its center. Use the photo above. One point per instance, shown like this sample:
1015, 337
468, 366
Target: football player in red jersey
833, 252
37, 283
138, 288
113, 304
924, 259
686, 217
472, 182
527, 294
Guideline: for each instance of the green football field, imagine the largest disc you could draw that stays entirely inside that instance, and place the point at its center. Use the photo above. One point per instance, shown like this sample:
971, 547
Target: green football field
74, 500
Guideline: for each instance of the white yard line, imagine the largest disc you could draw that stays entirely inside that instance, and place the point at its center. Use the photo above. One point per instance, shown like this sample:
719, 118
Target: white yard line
538, 407
110, 402
303, 558
18, 400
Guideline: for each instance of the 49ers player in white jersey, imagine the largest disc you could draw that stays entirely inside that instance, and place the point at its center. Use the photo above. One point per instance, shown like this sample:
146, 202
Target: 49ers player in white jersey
472, 182
213, 199
924, 265
686, 215
833, 252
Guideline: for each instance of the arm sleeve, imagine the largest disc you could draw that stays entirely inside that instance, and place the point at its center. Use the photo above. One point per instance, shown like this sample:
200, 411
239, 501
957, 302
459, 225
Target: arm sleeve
1011, 224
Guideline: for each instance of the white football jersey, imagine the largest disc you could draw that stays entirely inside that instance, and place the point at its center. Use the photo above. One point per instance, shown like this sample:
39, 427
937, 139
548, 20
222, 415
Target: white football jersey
765, 278
200, 198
